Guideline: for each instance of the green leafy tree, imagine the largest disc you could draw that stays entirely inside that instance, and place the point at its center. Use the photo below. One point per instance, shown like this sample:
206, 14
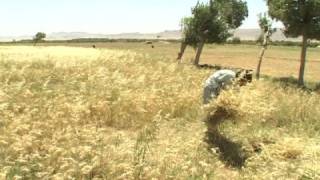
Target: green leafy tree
300, 18
265, 24
232, 11
210, 27
38, 37
211, 22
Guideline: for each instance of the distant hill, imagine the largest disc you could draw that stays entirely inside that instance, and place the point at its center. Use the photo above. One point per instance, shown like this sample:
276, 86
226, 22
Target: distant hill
253, 34
243, 34
78, 35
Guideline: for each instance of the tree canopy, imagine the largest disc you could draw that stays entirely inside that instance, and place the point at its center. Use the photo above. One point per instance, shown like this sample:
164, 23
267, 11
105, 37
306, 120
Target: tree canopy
209, 25
265, 23
38, 37
189, 32
232, 11
300, 18
210, 22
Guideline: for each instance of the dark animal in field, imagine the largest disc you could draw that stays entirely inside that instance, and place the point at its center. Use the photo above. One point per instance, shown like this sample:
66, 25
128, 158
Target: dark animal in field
152, 46
94, 46
149, 42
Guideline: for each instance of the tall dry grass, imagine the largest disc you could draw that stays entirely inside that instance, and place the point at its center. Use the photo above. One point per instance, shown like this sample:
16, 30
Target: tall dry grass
76, 113
60, 107
278, 126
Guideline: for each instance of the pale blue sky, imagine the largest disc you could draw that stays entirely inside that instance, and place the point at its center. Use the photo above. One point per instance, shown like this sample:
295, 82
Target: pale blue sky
25, 17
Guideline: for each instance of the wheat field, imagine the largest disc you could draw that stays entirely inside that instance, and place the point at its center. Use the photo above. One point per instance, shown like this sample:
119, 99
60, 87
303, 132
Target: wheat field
279, 61
80, 113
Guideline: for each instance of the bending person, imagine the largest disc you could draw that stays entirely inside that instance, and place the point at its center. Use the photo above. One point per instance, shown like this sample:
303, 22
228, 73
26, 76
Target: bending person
221, 79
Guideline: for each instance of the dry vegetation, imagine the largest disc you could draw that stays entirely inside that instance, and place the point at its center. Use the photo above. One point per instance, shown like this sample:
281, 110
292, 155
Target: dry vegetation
81, 113
280, 61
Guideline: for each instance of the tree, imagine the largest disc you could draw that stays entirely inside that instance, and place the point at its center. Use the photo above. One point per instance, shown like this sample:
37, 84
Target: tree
211, 22
266, 31
38, 37
209, 27
189, 36
300, 18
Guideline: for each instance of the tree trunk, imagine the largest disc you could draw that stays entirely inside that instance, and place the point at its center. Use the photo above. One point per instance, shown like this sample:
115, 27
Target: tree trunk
198, 54
264, 47
260, 62
303, 59
182, 49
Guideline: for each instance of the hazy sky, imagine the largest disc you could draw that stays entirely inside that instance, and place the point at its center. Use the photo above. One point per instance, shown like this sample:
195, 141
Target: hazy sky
25, 17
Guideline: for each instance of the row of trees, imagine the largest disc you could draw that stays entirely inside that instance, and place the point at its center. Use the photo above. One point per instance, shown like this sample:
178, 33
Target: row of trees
211, 23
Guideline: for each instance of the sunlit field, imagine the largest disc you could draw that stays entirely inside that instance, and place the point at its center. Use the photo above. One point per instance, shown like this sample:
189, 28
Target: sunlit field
280, 61
135, 113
